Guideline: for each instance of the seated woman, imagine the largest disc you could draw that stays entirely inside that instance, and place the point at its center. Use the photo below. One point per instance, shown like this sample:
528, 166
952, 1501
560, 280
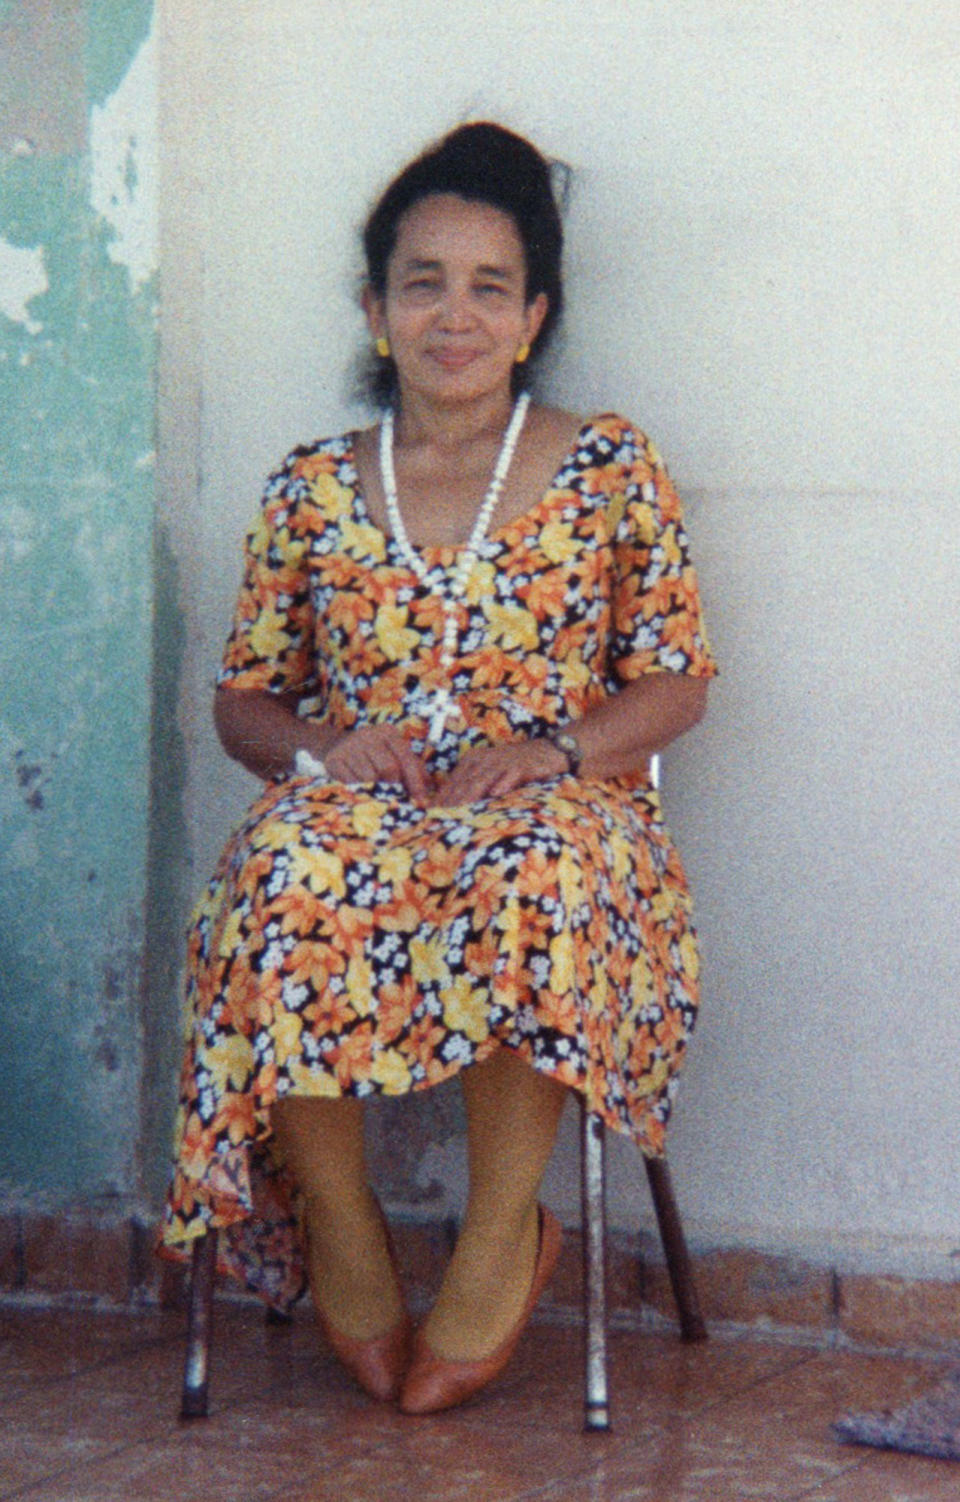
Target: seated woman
460, 638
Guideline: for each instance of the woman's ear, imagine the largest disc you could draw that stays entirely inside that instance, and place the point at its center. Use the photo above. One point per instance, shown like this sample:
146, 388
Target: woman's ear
373, 311
536, 313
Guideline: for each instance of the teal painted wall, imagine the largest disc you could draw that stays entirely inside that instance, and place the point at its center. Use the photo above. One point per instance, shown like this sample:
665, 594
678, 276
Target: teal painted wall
78, 357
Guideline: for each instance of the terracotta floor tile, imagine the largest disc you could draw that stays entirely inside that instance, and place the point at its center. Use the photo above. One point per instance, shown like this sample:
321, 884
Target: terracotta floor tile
649, 1375
772, 1442
685, 1378
400, 1474
90, 1415
889, 1477
38, 1346
818, 1390
27, 1458
169, 1472
539, 1444
707, 1460
129, 1398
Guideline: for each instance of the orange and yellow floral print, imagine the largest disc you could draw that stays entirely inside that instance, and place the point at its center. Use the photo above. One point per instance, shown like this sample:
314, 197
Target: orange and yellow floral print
353, 943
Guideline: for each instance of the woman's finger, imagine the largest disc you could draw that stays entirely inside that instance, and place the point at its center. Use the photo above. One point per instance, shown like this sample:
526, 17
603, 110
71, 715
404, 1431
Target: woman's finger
469, 784
379, 753
351, 761
489, 771
415, 775
403, 763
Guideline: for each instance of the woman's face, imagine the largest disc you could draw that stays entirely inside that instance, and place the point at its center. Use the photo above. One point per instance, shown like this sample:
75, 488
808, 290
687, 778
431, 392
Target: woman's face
455, 308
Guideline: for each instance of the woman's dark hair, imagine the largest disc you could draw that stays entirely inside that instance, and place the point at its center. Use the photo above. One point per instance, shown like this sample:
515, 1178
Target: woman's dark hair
483, 163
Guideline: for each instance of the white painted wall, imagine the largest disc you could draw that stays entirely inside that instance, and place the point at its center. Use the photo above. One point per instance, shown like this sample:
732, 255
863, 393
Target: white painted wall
764, 258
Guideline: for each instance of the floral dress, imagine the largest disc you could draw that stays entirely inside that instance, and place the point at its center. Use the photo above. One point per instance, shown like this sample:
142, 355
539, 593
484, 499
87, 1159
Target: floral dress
352, 942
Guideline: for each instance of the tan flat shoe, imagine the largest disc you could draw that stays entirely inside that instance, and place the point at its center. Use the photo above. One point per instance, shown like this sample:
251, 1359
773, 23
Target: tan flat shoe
433, 1384
379, 1363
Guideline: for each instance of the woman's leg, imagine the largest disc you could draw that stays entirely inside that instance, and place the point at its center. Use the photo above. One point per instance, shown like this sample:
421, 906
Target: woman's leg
512, 1117
351, 1275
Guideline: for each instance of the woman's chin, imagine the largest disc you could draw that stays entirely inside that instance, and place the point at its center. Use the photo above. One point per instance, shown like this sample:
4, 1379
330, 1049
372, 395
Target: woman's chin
465, 383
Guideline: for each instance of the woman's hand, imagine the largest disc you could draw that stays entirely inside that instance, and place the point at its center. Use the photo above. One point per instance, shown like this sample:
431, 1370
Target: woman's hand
616, 737
379, 753
263, 732
488, 770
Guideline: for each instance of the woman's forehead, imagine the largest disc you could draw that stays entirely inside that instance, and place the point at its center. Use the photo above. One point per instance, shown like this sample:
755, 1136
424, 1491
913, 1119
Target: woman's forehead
444, 227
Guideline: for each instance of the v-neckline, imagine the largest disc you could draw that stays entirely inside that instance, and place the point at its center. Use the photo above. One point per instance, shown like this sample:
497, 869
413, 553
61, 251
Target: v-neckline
439, 548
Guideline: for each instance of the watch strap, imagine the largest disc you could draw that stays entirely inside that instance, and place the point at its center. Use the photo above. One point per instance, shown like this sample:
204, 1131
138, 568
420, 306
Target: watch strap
566, 741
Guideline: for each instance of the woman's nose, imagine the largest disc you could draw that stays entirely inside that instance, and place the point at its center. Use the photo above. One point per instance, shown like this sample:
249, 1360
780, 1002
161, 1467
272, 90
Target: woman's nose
455, 311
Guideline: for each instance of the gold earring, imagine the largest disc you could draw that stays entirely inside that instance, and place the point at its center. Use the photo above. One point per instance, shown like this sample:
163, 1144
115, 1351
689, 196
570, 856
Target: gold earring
523, 354
382, 347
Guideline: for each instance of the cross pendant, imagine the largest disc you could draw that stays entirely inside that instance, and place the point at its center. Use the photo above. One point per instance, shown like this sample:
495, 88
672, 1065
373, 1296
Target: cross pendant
444, 706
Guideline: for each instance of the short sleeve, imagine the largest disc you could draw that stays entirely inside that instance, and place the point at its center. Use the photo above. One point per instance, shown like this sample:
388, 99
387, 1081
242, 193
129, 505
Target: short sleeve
657, 619
271, 644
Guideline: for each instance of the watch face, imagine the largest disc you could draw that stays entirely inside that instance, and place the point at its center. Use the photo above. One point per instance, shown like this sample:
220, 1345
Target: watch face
570, 747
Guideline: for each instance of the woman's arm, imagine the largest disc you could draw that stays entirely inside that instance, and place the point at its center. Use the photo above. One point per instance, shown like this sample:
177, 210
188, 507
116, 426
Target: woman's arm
642, 718
263, 732
618, 736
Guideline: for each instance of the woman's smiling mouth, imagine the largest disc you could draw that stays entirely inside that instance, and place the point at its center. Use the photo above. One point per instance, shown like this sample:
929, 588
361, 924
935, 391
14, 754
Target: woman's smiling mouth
453, 359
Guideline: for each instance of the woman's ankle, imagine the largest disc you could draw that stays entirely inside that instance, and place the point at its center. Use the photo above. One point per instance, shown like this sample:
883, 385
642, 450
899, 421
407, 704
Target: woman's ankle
484, 1292
353, 1279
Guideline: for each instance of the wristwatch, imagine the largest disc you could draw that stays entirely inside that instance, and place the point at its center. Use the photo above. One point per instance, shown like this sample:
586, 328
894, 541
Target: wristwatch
569, 745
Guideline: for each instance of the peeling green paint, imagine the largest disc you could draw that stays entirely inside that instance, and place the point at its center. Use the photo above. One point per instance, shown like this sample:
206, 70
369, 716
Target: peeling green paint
77, 385
117, 30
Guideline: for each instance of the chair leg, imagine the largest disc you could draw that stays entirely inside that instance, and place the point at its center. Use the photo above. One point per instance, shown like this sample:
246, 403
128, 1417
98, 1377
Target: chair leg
593, 1187
692, 1326
196, 1376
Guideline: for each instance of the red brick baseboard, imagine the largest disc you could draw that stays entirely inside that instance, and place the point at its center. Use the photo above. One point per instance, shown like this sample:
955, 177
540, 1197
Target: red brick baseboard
72, 1254
72, 1258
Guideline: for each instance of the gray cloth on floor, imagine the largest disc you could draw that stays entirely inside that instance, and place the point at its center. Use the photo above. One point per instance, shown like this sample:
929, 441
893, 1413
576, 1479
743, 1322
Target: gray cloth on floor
930, 1425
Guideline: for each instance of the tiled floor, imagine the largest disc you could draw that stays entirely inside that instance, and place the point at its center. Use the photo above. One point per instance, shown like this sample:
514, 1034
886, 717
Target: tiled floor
88, 1405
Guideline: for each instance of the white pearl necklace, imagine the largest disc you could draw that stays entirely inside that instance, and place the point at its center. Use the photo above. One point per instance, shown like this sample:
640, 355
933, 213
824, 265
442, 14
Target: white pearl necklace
444, 704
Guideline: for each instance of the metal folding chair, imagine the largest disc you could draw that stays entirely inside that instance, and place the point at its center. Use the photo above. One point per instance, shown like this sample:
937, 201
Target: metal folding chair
593, 1216
596, 1387
596, 1401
